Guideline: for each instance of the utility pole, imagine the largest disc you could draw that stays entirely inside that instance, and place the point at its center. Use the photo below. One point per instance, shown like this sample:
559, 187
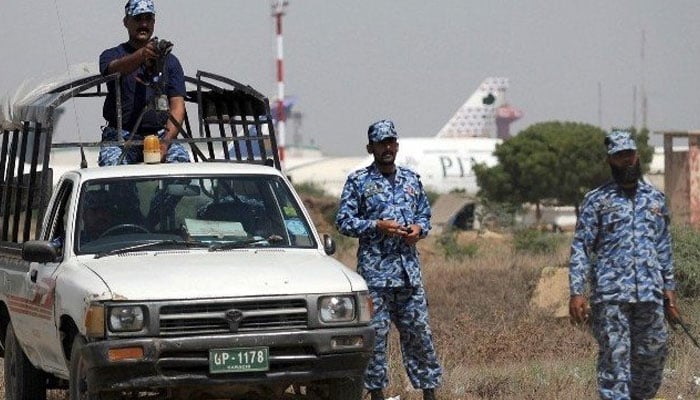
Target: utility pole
278, 11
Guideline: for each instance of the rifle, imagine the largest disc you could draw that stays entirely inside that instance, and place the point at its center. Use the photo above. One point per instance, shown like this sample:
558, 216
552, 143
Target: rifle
686, 330
679, 321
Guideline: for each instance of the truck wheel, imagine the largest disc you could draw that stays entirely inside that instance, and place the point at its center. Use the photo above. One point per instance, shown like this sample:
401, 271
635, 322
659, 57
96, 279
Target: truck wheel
77, 384
22, 380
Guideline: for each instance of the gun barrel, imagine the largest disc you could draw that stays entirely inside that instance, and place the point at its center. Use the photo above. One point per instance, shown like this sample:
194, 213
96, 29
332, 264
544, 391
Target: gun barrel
687, 332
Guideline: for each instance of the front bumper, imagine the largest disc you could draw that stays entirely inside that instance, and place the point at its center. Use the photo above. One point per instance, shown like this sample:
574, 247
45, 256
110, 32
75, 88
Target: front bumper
295, 356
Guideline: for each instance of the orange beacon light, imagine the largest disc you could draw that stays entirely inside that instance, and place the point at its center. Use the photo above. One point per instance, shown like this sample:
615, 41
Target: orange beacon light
151, 149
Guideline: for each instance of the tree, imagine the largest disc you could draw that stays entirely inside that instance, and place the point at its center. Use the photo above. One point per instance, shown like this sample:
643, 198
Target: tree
582, 161
551, 161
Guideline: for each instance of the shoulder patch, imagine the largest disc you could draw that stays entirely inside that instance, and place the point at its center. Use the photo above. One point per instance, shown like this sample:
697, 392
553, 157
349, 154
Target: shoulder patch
410, 190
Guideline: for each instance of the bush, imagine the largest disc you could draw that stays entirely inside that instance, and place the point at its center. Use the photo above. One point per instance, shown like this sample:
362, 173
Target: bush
453, 250
535, 242
686, 253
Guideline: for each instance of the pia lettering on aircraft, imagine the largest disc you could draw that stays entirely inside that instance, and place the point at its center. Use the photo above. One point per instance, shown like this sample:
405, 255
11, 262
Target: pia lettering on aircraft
455, 166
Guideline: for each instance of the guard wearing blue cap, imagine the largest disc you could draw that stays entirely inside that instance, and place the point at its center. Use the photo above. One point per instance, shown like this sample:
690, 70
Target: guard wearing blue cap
621, 264
381, 131
150, 75
385, 206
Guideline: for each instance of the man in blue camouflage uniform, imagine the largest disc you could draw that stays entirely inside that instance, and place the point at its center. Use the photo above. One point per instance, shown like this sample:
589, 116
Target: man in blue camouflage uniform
136, 61
622, 248
385, 206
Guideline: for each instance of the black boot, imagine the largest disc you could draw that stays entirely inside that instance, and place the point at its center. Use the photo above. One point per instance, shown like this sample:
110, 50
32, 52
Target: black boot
376, 394
428, 394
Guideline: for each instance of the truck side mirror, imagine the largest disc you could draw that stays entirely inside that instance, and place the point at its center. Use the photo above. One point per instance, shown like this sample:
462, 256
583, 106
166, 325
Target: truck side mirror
328, 244
40, 251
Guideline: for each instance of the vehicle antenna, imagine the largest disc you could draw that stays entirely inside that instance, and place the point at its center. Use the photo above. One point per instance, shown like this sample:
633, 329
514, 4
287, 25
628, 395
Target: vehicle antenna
83, 162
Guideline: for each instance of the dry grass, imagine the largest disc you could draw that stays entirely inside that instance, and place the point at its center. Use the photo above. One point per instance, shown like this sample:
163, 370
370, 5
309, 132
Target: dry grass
494, 345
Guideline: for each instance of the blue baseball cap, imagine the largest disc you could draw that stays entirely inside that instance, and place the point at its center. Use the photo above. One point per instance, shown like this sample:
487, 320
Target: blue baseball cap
136, 7
617, 141
382, 130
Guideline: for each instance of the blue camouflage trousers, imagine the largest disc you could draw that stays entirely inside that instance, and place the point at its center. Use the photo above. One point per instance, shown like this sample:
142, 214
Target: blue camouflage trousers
109, 154
632, 349
407, 308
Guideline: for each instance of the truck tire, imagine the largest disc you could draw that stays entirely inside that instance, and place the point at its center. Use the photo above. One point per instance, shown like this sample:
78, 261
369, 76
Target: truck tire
22, 380
77, 384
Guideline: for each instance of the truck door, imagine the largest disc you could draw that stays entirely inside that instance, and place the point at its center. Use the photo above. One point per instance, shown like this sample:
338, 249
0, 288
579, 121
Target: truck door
41, 284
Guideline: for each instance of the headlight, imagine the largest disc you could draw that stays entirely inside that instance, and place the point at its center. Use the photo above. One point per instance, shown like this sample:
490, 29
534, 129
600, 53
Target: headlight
126, 318
337, 308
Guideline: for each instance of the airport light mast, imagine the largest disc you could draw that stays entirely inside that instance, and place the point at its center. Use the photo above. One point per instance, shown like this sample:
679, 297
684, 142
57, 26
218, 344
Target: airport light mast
278, 9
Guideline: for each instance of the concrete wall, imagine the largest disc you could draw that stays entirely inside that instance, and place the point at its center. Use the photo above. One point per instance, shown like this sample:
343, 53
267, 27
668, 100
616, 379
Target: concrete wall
682, 177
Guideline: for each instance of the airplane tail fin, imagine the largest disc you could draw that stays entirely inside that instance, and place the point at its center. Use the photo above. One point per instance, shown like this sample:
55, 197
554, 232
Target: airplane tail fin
477, 117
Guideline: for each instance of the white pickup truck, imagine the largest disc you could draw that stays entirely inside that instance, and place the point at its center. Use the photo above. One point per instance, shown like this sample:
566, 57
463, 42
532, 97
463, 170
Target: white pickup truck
196, 280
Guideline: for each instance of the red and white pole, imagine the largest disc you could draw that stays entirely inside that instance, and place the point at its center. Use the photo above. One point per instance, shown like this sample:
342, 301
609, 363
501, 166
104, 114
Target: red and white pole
278, 7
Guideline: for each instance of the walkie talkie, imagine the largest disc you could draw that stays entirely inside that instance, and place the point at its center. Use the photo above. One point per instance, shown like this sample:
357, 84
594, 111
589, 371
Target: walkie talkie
406, 225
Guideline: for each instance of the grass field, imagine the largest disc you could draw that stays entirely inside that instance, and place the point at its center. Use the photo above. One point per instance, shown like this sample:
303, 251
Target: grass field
494, 344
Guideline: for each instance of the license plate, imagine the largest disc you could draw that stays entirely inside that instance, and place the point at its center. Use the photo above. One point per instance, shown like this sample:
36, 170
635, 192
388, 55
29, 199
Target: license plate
242, 359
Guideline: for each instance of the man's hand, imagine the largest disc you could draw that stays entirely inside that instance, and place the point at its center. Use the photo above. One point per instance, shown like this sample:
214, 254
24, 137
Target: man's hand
413, 234
673, 314
391, 227
130, 63
578, 309
148, 52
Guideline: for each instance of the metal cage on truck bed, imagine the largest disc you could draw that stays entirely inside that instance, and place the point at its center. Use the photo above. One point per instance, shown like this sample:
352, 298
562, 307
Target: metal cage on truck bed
233, 124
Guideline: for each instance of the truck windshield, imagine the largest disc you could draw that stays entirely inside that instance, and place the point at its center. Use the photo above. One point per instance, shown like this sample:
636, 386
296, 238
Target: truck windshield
222, 212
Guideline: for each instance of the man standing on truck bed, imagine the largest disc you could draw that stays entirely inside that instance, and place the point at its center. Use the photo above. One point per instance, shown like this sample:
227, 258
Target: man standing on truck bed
386, 207
152, 89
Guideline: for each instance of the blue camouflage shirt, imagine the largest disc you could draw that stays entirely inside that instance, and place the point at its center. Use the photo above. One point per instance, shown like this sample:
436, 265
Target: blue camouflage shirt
622, 246
384, 261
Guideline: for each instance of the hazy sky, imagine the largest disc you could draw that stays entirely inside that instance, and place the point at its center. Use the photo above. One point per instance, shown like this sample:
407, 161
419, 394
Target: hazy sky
415, 61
